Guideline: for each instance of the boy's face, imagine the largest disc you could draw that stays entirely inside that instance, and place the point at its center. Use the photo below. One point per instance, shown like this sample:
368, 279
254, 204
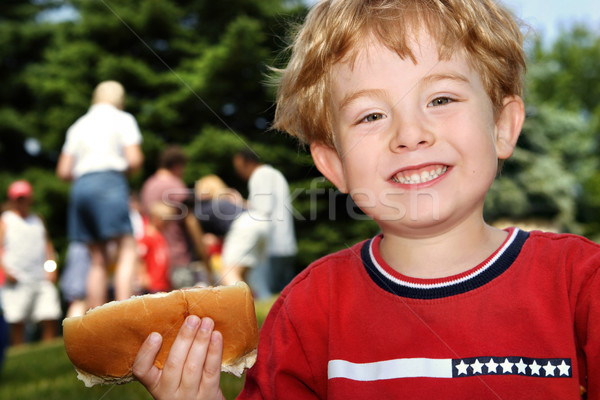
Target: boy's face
417, 145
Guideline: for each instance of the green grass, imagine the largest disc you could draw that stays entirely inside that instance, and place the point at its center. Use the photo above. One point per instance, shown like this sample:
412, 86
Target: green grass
43, 372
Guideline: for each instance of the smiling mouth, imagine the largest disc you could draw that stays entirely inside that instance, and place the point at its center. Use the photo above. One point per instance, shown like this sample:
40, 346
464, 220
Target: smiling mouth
422, 175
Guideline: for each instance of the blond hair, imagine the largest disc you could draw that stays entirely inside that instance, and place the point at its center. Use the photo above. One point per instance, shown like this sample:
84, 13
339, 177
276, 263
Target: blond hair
111, 92
209, 186
334, 30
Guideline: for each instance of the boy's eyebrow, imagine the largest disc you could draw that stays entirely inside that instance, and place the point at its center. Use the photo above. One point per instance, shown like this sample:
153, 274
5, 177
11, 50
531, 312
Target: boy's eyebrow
350, 97
445, 76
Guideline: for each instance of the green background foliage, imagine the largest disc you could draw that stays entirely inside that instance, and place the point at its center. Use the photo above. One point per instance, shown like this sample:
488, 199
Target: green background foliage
196, 73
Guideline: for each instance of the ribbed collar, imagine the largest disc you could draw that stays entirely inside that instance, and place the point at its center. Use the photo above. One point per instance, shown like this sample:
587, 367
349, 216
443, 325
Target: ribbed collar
390, 280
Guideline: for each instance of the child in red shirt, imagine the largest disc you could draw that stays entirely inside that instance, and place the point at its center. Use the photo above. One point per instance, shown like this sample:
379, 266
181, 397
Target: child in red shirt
154, 250
410, 106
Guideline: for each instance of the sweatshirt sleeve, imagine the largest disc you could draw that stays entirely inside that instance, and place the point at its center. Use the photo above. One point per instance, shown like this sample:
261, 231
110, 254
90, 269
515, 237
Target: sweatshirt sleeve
588, 331
282, 369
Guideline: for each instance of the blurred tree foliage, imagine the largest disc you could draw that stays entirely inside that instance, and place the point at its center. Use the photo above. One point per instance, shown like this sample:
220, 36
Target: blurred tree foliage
195, 74
196, 71
554, 174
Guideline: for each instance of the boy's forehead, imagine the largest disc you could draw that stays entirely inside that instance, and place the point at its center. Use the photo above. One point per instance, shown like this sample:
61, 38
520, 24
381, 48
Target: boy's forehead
421, 47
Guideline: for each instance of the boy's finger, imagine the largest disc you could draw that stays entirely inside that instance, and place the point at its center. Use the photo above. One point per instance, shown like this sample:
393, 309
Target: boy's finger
194, 364
174, 363
211, 374
143, 366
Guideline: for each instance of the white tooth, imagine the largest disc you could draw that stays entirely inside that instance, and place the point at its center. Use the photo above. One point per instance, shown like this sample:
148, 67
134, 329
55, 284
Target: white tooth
415, 178
424, 176
444, 169
439, 170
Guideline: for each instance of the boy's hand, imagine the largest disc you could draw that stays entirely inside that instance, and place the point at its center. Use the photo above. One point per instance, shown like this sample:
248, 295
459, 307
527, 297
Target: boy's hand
193, 367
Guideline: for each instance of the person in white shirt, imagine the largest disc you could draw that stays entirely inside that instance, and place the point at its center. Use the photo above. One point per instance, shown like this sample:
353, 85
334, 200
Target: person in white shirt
101, 147
29, 294
269, 220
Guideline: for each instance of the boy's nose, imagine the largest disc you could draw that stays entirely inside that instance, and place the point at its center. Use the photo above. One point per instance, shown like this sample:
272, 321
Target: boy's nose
410, 136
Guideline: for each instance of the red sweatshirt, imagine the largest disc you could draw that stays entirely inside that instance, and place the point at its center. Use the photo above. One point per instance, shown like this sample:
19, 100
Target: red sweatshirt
524, 324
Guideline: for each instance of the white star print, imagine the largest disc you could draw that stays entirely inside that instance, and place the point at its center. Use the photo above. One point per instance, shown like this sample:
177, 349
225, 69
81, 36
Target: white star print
507, 366
491, 366
521, 366
535, 368
564, 368
477, 367
462, 367
549, 368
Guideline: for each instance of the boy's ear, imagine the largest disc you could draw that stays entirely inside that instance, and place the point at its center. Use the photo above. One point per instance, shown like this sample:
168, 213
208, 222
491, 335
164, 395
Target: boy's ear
329, 163
508, 126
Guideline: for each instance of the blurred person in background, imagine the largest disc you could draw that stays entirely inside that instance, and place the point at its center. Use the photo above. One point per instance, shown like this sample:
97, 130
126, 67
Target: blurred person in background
73, 279
101, 147
4, 341
269, 200
27, 261
184, 236
216, 206
154, 250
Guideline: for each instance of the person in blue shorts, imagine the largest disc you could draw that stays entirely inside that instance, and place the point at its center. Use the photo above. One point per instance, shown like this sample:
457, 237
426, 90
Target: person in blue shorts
100, 148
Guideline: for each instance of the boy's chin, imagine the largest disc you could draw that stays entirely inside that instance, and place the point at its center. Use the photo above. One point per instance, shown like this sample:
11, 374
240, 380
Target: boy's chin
399, 215
422, 226
425, 221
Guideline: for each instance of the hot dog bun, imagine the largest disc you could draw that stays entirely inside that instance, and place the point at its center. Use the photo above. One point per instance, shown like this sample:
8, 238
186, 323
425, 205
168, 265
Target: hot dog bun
103, 343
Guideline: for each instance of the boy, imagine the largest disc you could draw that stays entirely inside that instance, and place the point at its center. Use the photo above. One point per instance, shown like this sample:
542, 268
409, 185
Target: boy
408, 106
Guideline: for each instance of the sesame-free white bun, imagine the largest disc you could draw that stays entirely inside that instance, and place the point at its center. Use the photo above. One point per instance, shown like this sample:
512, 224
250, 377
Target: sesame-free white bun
103, 343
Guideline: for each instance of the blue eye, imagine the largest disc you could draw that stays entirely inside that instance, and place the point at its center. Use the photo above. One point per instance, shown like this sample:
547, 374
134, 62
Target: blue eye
373, 117
440, 101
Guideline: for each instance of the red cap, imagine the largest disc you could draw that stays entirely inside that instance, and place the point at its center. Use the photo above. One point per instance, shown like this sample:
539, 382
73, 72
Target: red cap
19, 189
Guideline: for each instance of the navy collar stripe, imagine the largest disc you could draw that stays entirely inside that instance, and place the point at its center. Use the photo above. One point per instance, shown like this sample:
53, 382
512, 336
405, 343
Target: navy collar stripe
497, 265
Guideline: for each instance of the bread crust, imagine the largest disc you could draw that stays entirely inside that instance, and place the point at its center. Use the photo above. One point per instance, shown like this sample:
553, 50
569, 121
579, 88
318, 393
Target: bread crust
103, 343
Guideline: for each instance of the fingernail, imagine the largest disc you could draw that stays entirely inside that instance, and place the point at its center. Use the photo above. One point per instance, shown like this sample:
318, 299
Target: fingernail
193, 321
154, 338
206, 324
